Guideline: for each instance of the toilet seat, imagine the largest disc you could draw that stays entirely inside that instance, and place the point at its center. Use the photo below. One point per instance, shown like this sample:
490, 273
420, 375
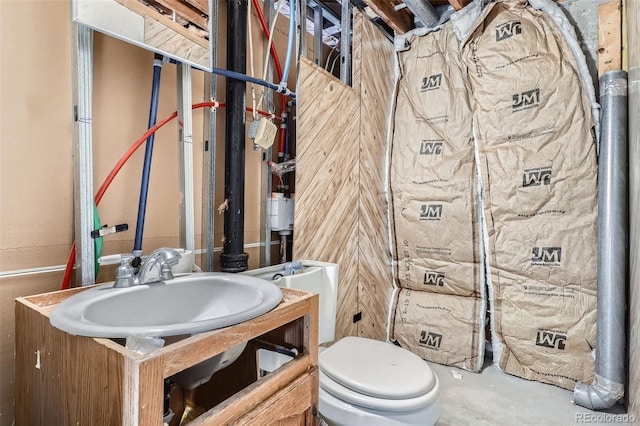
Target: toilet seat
377, 375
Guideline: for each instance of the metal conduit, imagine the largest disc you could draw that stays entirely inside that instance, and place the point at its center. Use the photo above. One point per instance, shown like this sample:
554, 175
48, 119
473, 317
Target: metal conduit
608, 386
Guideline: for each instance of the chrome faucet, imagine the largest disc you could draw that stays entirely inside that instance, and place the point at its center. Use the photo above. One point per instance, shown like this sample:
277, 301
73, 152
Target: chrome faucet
157, 267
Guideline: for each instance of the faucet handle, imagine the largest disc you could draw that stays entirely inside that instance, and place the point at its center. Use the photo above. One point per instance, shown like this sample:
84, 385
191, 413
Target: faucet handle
125, 274
170, 258
165, 272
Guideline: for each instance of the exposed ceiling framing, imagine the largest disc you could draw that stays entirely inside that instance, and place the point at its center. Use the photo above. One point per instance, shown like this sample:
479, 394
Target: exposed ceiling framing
398, 17
388, 15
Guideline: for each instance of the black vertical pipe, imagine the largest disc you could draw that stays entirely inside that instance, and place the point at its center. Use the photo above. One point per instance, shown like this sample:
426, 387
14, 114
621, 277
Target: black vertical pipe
233, 258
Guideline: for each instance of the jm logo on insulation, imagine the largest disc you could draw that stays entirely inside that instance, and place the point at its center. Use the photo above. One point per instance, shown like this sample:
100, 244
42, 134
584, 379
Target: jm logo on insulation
546, 255
430, 148
508, 30
431, 83
434, 278
536, 177
551, 339
526, 100
430, 340
431, 212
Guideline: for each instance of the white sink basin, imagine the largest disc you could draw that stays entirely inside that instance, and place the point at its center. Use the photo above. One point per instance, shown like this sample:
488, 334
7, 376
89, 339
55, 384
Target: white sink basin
188, 304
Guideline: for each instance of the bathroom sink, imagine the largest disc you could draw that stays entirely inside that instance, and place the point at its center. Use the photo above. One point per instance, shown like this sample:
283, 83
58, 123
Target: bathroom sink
187, 304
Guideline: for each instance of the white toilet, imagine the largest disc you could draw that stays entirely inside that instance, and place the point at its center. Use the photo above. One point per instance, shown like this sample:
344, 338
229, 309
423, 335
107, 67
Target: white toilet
363, 382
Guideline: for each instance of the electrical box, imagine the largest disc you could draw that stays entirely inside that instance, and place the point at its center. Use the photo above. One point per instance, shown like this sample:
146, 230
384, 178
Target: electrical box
281, 216
264, 134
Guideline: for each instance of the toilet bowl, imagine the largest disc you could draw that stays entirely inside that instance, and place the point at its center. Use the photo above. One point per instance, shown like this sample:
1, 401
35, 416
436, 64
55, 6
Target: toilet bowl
366, 382
363, 382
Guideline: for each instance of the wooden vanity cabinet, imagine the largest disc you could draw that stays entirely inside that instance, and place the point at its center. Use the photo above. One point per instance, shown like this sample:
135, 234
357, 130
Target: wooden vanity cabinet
62, 379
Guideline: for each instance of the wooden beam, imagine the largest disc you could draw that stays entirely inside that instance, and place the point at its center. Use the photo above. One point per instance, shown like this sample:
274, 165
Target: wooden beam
609, 37
201, 5
400, 21
186, 12
145, 11
459, 4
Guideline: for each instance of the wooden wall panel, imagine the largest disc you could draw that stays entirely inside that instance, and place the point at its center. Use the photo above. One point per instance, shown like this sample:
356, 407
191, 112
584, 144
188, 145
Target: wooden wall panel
375, 283
341, 212
326, 219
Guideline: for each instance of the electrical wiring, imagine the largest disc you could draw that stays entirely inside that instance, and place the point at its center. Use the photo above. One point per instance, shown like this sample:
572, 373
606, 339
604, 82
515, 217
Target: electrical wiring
333, 50
253, 86
268, 32
333, 64
271, 49
66, 280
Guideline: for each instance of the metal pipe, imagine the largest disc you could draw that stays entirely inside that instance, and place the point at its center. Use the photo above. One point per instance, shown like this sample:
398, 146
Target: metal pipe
424, 11
287, 145
608, 386
283, 248
233, 257
634, 212
633, 16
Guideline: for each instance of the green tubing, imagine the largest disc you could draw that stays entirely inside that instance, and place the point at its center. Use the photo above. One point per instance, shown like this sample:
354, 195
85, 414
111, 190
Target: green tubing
97, 242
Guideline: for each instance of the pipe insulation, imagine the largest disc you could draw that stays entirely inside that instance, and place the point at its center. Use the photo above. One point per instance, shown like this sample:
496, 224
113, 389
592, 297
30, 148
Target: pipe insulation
608, 386
233, 258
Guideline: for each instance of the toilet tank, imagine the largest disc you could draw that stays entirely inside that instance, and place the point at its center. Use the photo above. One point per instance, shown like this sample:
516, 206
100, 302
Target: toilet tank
316, 277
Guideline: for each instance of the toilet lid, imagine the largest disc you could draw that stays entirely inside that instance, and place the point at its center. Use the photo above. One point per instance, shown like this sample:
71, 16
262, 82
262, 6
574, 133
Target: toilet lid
381, 404
377, 369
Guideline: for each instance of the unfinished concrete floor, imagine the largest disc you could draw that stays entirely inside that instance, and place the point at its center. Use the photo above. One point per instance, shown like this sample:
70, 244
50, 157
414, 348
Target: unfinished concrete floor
494, 398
